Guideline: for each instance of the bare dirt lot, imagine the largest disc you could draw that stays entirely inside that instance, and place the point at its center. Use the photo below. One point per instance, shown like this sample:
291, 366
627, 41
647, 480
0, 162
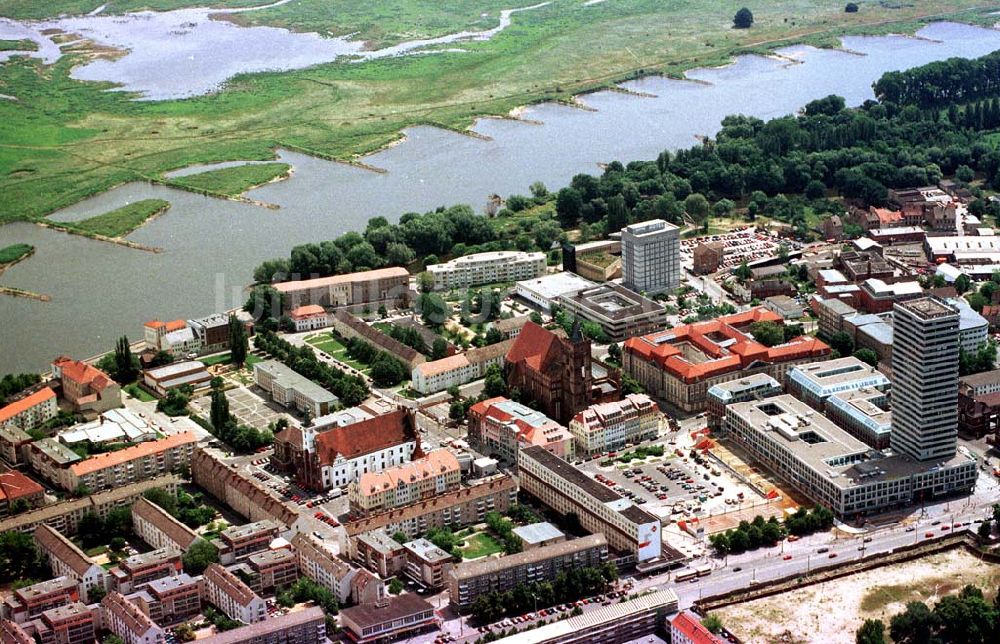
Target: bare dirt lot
832, 611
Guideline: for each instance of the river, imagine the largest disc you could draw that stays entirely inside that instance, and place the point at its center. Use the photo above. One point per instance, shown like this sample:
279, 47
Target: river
100, 291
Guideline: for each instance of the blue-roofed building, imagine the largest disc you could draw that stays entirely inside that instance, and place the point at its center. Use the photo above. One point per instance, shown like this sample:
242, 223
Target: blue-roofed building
814, 383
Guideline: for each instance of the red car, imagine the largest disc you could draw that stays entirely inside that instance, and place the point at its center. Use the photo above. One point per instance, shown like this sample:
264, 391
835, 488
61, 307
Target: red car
787, 557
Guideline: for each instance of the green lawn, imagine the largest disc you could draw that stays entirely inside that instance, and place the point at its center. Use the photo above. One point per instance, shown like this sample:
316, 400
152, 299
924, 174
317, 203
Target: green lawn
480, 545
18, 45
331, 346
14, 252
224, 358
233, 182
122, 221
136, 391
65, 140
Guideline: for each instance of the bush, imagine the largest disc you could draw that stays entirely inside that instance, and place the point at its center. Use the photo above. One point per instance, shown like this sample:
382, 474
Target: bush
743, 19
851, 8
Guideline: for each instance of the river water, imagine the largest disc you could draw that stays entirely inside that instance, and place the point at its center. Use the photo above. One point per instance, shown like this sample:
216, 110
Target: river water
100, 291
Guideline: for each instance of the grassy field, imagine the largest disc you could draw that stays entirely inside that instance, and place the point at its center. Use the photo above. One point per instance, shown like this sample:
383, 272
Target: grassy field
332, 347
35, 10
233, 182
18, 45
224, 358
64, 140
14, 252
480, 545
139, 393
122, 221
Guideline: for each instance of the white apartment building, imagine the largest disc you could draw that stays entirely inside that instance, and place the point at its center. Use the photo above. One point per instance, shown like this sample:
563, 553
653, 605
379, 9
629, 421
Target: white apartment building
323, 567
132, 464
487, 268
973, 329
127, 621
289, 389
228, 593
30, 411
459, 369
67, 560
158, 528
610, 426
556, 483
651, 256
436, 473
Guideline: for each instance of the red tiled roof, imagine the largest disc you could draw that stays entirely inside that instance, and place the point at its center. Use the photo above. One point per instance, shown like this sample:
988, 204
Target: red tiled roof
693, 629
307, 310
26, 403
82, 373
175, 325
110, 459
534, 345
364, 437
662, 348
14, 485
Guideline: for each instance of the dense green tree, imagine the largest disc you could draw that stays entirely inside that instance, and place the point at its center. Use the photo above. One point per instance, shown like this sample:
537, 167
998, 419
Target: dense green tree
20, 559
439, 349
743, 19
615, 353
126, 365
494, 384
712, 622
871, 632
569, 202
264, 302
767, 333
199, 556
962, 283
219, 415
434, 311
697, 206
842, 343
865, 354
852, 7
238, 342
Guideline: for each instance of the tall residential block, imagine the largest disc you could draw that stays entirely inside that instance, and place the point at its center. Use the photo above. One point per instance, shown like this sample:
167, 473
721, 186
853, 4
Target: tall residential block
651, 256
925, 382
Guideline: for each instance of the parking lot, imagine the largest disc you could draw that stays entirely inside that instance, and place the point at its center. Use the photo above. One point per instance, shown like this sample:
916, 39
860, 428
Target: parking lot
747, 244
248, 406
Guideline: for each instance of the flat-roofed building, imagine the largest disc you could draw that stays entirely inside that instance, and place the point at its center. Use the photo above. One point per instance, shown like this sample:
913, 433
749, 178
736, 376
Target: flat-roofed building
170, 600
973, 329
456, 509
831, 313
878, 296
436, 473
612, 425
124, 619
132, 464
680, 365
538, 535
467, 581
545, 291
565, 489
619, 312
426, 564
31, 601
29, 412
407, 614
501, 428
390, 286
158, 528
864, 414
289, 389
228, 593
14, 445
52, 460
831, 467
651, 256
133, 573
272, 569
628, 621
305, 625
162, 380
238, 542
487, 268
113, 426
755, 387
380, 553
70, 624
815, 382
67, 560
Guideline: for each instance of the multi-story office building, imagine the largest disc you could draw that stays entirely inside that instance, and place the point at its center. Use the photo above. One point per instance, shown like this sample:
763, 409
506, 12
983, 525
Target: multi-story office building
487, 268
31, 601
70, 624
133, 573
124, 619
388, 621
973, 329
305, 625
651, 256
681, 364
66, 559
170, 600
619, 312
289, 389
815, 382
832, 468
467, 581
456, 509
864, 414
158, 528
755, 387
389, 286
610, 426
238, 542
925, 387
228, 593
29, 412
556, 483
501, 428
436, 473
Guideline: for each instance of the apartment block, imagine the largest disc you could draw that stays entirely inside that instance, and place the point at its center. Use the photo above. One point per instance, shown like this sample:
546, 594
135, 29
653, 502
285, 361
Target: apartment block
438, 375
325, 568
565, 489
456, 509
426, 564
436, 473
610, 426
124, 619
132, 464
487, 268
501, 428
225, 591
67, 560
305, 625
289, 389
70, 624
19, 493
467, 581
170, 600
13, 445
651, 256
31, 601
236, 543
133, 573
380, 553
158, 528
686, 628
29, 412
390, 286
272, 569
